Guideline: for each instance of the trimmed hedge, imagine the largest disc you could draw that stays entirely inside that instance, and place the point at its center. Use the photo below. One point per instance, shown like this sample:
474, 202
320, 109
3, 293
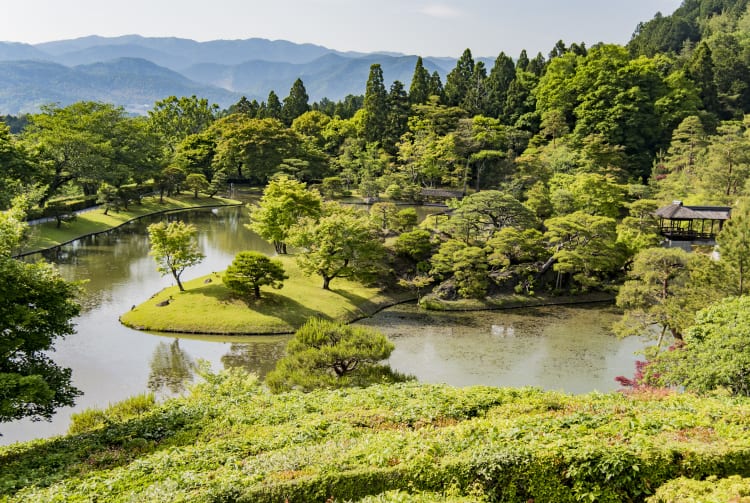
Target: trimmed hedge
233, 441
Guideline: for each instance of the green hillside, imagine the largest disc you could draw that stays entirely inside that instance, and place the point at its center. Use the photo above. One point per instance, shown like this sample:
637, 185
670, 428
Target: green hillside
233, 441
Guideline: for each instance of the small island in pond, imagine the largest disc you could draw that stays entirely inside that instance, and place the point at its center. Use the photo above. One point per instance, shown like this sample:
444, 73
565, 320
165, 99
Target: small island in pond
207, 306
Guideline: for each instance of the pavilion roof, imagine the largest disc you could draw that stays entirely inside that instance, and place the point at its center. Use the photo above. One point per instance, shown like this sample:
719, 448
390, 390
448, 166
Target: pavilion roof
678, 211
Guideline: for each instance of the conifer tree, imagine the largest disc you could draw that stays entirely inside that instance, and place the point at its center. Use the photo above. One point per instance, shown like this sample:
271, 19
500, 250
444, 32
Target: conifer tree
420, 84
459, 80
375, 106
296, 103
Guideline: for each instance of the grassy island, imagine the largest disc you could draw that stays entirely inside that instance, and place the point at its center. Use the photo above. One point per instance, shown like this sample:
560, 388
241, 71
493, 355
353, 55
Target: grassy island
207, 306
47, 235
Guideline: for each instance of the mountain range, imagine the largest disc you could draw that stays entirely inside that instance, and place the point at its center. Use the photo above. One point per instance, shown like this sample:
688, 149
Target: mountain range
135, 71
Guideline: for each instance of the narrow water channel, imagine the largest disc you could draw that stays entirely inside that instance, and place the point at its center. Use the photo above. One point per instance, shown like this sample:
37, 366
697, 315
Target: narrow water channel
561, 348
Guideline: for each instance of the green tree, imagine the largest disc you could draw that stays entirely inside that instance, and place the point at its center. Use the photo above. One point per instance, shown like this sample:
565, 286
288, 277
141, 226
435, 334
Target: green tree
714, 354
734, 246
470, 272
36, 308
584, 247
15, 169
174, 119
175, 248
640, 229
498, 82
250, 270
459, 80
383, 216
296, 103
274, 109
195, 154
649, 295
420, 82
375, 106
197, 183
88, 143
284, 203
218, 183
169, 180
108, 197
416, 244
478, 217
341, 243
728, 162
326, 354
256, 148
398, 117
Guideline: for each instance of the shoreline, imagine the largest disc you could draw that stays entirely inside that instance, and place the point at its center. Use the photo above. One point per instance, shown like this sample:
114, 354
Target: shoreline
133, 219
392, 301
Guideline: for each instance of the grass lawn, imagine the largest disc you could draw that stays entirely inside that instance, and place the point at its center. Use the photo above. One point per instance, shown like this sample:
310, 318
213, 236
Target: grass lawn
47, 235
211, 308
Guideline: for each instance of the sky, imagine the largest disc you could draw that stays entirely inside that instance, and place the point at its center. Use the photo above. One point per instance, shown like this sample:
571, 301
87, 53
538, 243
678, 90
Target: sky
423, 27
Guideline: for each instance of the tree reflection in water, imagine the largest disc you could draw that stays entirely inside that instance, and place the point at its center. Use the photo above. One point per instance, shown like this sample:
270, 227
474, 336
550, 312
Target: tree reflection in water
172, 369
257, 357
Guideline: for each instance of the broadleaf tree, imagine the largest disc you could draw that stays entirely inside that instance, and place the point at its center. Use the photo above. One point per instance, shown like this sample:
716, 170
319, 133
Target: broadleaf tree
37, 307
175, 248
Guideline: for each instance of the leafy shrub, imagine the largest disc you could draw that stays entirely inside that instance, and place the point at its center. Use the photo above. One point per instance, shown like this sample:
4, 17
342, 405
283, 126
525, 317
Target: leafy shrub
734, 489
91, 419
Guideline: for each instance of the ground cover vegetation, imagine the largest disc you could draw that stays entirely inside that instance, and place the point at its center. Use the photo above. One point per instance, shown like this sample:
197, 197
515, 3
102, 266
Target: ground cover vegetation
551, 168
231, 440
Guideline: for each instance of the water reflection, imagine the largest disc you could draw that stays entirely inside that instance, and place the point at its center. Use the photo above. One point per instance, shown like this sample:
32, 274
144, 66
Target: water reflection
172, 369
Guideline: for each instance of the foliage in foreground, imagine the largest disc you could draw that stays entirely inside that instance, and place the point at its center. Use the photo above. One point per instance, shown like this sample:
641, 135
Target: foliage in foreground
37, 307
714, 353
328, 354
734, 489
232, 441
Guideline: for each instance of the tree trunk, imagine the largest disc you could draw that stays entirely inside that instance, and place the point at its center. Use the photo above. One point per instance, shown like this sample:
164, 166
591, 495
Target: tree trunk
177, 278
326, 282
256, 290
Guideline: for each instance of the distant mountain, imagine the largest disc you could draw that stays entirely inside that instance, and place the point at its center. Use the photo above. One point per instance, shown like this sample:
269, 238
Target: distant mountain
14, 51
179, 53
332, 76
135, 71
136, 84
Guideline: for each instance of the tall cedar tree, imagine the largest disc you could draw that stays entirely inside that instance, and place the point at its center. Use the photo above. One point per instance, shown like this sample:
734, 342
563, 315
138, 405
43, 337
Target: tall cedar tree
420, 84
375, 106
458, 81
296, 103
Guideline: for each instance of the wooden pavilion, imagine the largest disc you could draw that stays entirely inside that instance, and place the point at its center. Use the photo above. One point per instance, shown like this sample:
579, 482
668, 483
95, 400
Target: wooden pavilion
692, 223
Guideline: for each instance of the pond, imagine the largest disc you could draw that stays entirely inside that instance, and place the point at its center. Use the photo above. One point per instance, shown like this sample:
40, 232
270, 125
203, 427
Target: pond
562, 348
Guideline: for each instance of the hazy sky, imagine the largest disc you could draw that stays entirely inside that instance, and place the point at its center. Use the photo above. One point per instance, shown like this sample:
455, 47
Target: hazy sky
424, 27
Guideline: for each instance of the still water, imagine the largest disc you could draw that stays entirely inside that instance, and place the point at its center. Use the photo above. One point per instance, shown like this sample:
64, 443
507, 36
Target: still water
561, 348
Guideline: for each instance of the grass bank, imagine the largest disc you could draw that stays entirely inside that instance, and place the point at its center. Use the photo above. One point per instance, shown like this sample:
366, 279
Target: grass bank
47, 235
431, 302
231, 440
208, 307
